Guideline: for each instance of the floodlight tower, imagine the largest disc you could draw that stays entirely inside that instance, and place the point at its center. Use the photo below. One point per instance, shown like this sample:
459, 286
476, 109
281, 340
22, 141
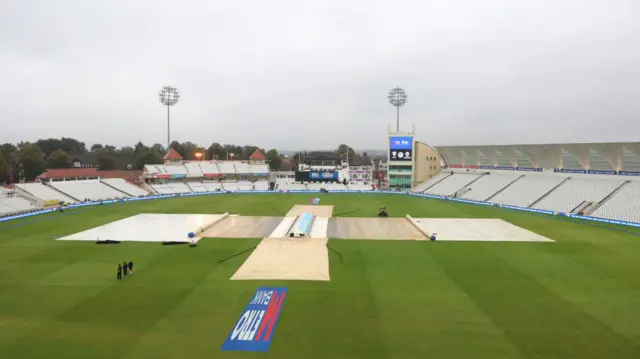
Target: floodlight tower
169, 96
397, 97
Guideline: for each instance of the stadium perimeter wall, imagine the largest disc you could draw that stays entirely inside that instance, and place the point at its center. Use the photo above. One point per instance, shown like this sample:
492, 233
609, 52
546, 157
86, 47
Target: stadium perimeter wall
444, 198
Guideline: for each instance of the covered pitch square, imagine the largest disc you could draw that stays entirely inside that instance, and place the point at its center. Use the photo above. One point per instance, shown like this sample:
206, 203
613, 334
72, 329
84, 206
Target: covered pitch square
150, 228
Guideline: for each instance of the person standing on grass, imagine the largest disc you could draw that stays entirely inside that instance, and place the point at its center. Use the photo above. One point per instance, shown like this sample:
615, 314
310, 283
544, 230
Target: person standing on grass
125, 268
119, 272
131, 267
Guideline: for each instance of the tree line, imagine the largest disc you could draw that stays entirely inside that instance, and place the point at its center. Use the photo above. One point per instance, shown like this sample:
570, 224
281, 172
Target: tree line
27, 160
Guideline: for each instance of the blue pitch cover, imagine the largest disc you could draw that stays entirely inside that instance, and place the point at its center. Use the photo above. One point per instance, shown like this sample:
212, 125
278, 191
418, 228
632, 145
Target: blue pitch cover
254, 330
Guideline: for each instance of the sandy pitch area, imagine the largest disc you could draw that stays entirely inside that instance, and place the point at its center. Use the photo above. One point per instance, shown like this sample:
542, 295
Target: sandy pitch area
373, 228
289, 258
316, 210
243, 227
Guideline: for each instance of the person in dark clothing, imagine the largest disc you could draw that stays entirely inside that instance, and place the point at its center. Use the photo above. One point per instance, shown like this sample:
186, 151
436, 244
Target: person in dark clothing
125, 266
119, 272
131, 267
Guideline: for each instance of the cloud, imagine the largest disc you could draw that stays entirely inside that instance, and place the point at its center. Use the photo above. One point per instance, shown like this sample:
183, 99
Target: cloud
291, 74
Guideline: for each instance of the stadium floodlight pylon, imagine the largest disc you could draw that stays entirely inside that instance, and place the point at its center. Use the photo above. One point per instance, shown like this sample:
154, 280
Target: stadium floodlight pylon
169, 96
397, 98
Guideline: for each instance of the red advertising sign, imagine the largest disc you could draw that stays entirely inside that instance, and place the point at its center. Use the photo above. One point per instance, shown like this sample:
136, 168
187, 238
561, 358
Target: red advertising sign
213, 174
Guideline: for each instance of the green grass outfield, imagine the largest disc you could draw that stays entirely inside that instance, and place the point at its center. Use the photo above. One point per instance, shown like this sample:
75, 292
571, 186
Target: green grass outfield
576, 298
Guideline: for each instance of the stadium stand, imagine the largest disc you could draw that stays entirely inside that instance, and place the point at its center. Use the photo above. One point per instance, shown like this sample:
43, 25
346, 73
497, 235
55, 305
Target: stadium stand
213, 186
227, 168
453, 183
245, 185
261, 186
259, 169
88, 190
431, 181
194, 170
333, 186
197, 187
624, 204
242, 167
171, 188
124, 186
527, 190
210, 168
487, 185
176, 170
577, 190
290, 186
14, 204
359, 187
43, 192
230, 186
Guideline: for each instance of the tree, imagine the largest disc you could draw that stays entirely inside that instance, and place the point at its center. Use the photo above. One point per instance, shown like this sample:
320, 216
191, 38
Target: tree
59, 159
161, 150
95, 147
68, 145
104, 159
126, 151
274, 158
215, 151
4, 171
346, 152
32, 160
139, 147
146, 156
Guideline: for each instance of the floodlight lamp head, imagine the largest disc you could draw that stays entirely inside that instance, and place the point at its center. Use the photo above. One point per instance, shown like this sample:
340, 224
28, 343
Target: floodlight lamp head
397, 97
169, 96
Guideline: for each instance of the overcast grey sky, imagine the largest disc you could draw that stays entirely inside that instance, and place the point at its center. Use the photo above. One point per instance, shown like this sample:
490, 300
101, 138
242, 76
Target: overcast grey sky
314, 74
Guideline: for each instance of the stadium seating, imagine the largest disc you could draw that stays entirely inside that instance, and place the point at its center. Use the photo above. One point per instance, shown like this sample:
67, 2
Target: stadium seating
156, 169
213, 186
245, 185
176, 170
194, 170
333, 186
43, 192
197, 187
171, 188
209, 168
359, 187
227, 168
576, 190
291, 186
453, 183
230, 186
242, 167
14, 204
259, 169
624, 205
124, 186
261, 186
431, 181
527, 190
489, 184
88, 190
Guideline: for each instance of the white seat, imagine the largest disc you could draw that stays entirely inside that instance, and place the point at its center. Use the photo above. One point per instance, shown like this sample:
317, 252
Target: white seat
527, 190
489, 184
44, 192
575, 191
126, 187
452, 184
93, 190
624, 205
